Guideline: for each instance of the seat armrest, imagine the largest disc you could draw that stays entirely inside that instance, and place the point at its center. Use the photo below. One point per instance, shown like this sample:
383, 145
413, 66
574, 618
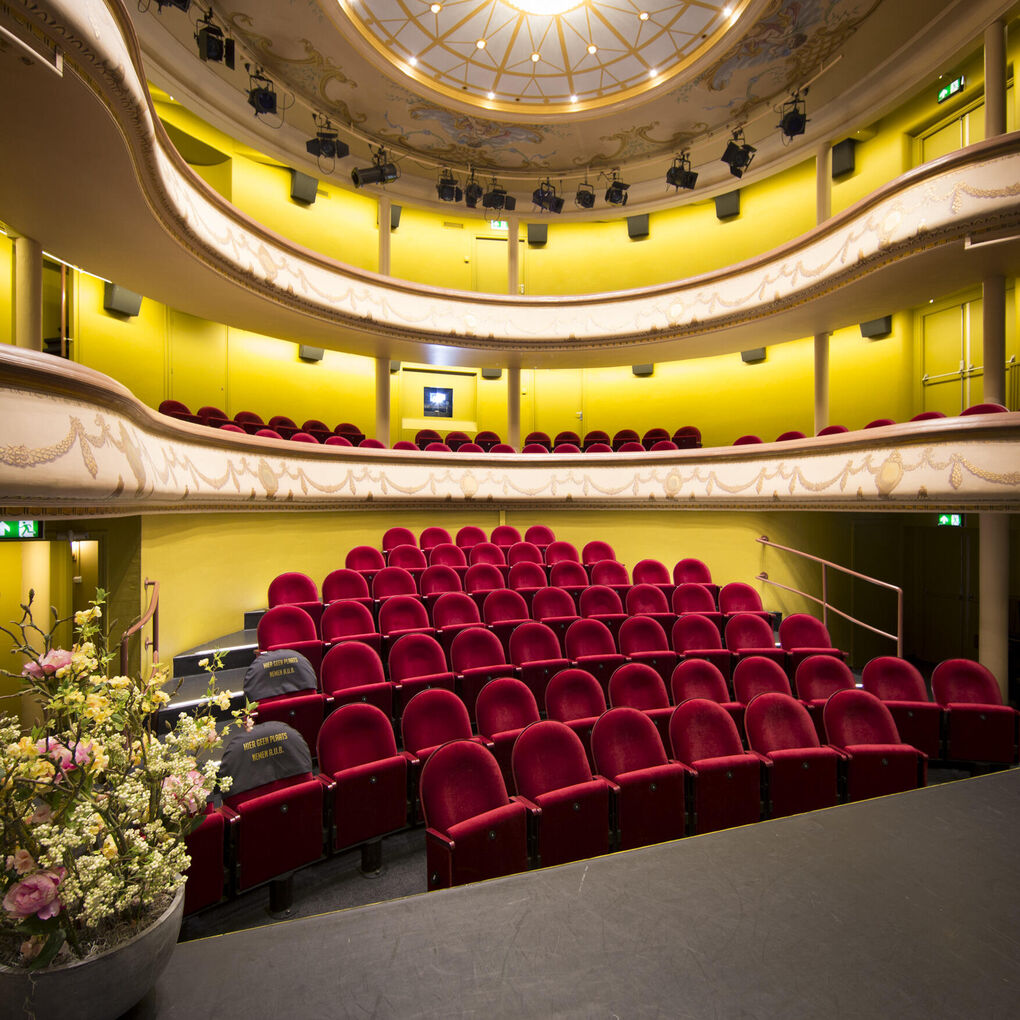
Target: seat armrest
438, 837
534, 817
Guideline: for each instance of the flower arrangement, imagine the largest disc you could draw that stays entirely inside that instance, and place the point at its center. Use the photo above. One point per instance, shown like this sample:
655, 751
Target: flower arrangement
94, 806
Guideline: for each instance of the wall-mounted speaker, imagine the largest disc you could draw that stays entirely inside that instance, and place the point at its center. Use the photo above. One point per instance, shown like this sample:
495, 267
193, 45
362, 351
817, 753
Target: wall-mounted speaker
394, 367
637, 226
875, 329
302, 187
643, 370
727, 206
753, 356
306, 353
844, 159
492, 373
395, 216
120, 300
538, 233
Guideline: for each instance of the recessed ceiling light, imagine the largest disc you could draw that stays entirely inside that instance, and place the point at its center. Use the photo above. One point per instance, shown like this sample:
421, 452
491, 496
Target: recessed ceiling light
727, 11
491, 95
436, 8
593, 49
652, 72
413, 61
535, 58
643, 16
573, 99
480, 44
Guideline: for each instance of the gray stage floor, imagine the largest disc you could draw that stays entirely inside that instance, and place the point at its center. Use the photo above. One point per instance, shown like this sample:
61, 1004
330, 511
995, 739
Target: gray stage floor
906, 906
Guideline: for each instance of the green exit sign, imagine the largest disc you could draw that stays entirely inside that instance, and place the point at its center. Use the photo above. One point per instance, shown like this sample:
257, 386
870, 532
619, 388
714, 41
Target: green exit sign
955, 87
20, 529
950, 520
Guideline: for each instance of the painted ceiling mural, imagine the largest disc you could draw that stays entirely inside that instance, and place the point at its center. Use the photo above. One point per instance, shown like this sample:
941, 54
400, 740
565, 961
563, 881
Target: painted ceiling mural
316, 51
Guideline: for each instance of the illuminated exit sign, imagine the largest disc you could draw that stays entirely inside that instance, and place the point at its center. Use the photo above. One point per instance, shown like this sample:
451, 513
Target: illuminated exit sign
19, 529
955, 87
498, 225
950, 520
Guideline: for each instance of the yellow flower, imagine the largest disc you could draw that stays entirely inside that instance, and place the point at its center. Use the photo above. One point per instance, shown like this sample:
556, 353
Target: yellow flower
100, 759
109, 849
97, 707
24, 748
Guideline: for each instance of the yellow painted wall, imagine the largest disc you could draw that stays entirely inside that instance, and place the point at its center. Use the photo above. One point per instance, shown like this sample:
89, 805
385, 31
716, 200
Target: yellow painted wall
6, 289
435, 248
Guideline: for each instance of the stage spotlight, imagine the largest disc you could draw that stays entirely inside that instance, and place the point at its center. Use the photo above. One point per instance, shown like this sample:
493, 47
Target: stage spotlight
616, 193
680, 175
793, 116
380, 172
447, 187
326, 144
585, 197
261, 92
496, 198
545, 197
181, 5
472, 192
738, 154
212, 45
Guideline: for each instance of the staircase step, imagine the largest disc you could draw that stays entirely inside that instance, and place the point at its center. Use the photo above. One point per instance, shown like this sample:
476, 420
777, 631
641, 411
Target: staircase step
236, 650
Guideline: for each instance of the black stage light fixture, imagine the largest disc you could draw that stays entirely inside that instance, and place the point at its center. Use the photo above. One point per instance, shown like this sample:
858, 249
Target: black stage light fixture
680, 175
261, 92
210, 42
585, 197
738, 154
545, 197
447, 187
793, 116
616, 193
496, 198
181, 5
326, 144
472, 192
380, 172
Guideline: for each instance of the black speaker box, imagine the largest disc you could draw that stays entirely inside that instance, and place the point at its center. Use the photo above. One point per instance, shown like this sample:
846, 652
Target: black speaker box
121, 300
637, 226
306, 353
394, 367
875, 329
395, 216
538, 233
728, 205
753, 356
492, 373
844, 158
643, 370
303, 187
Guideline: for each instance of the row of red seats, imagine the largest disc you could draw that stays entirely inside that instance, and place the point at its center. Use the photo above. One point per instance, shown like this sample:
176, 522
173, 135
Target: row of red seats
280, 425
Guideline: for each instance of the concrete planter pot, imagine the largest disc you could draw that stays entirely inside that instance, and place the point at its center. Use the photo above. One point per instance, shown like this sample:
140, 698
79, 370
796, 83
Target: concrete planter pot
100, 987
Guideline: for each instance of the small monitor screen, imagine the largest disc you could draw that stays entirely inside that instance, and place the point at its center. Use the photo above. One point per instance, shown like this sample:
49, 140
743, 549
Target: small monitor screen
438, 402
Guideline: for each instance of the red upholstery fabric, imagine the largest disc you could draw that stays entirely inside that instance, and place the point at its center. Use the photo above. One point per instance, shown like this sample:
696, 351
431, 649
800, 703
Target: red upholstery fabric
504, 535
636, 685
555, 608
695, 637
694, 571
249, 421
290, 627
879, 423
524, 552
650, 805
978, 726
287, 427
505, 706
302, 710
346, 584
481, 579
437, 448
653, 436
313, 427
205, 846
649, 600
818, 677
611, 574
602, 603
802, 635
575, 697
643, 640
833, 430
737, 597
569, 576
699, 678
273, 434
229, 426
527, 578
488, 553
538, 439
455, 440
304, 437
598, 448
431, 718
687, 437
926, 416
365, 559
487, 440
446, 554
452, 613
416, 663
535, 448
393, 537
756, 675
589, 645
400, 615
213, 416
747, 634
655, 572
560, 551
346, 428
296, 589
356, 748
696, 598
986, 408
401, 444
476, 656
596, 550
391, 581
372, 444
409, 557
503, 611
535, 650
595, 436
352, 672
470, 535
624, 436
437, 581
785, 437
425, 436
338, 441
551, 770
470, 448
901, 687
567, 437
566, 448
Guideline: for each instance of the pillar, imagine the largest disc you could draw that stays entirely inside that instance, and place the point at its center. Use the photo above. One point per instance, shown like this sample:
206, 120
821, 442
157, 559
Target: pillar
382, 396
995, 79
513, 406
993, 595
993, 313
28, 293
513, 255
823, 183
821, 381
384, 241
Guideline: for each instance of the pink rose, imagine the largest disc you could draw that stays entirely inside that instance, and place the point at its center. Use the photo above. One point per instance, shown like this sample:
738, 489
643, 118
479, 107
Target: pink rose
54, 659
36, 894
187, 790
42, 814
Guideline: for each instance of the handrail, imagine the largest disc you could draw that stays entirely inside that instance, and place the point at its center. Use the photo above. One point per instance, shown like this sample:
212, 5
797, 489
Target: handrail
152, 613
824, 600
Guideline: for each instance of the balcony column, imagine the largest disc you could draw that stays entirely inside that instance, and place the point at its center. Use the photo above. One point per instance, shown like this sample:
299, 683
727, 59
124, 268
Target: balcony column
384, 242
513, 406
28, 293
823, 210
993, 314
513, 255
993, 595
382, 396
995, 79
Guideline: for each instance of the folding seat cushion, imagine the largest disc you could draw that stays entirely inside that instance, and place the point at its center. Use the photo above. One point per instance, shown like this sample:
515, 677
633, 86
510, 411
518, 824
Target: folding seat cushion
747, 634
737, 597
650, 601
505, 706
393, 537
527, 578
455, 440
267, 433
283, 685
249, 421
317, 428
452, 613
694, 571
636, 685
978, 726
880, 423
487, 439
860, 726
803, 635
602, 603
662, 445
699, 678
276, 803
535, 650
928, 416
505, 535
206, 846
503, 611
212, 416
343, 441
555, 608
524, 552
559, 551
651, 803
816, 680
589, 645
727, 786
803, 776
358, 752
481, 579
417, 663
569, 576
470, 535
539, 534
551, 772
349, 621
654, 572
298, 437
694, 637
625, 436
400, 615
538, 438
643, 640
409, 558
229, 426
567, 437
598, 448
292, 628
596, 436
295, 589
390, 581
696, 598
575, 697
346, 585
653, 436
474, 830
437, 580
352, 673
687, 437
502, 448
433, 717
469, 448
476, 657
365, 559
596, 550
566, 448
899, 685
371, 444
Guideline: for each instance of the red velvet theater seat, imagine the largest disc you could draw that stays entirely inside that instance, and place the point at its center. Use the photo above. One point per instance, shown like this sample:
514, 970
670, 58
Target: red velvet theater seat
474, 830
638, 685
757, 675
366, 560
481, 579
470, 535
555, 608
803, 635
397, 536
448, 555
390, 581
432, 536
400, 615
504, 611
436, 580
353, 673
205, 875
453, 612
527, 579
476, 657
409, 558
979, 728
576, 698
570, 577
901, 688
296, 589
699, 678
747, 634
346, 585
589, 646
629, 752
695, 637
694, 571
505, 535
817, 679
696, 598
349, 621
596, 550
602, 602
643, 640
417, 663
505, 706
611, 574
650, 601
655, 572
290, 627
737, 597
535, 651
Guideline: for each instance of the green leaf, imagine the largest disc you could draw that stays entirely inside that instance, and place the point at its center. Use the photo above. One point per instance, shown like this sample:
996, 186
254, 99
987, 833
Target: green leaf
49, 951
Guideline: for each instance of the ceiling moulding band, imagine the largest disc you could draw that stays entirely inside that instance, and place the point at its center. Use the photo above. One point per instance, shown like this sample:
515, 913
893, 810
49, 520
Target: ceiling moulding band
78, 443
927, 210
